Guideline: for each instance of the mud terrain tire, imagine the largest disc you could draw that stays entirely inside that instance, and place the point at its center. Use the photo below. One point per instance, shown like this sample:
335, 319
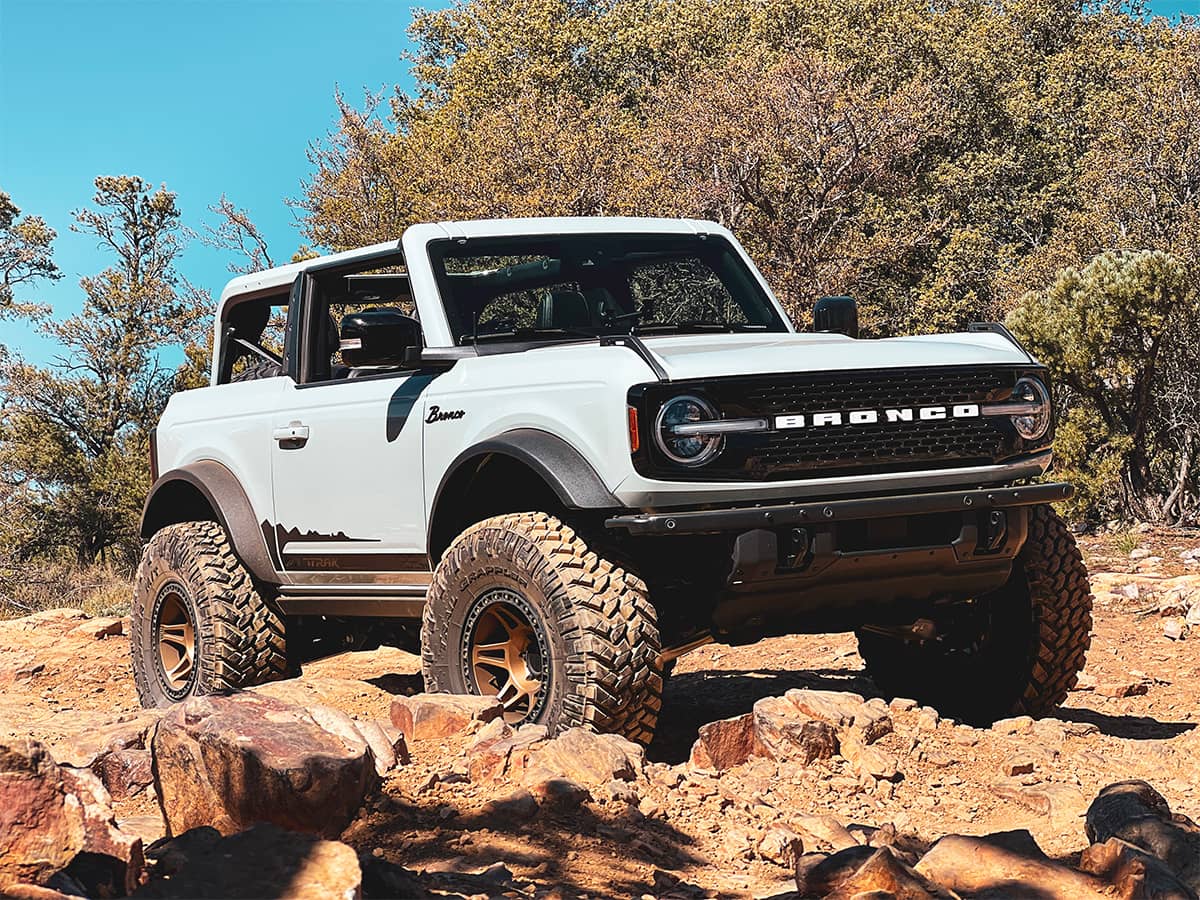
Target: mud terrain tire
192, 590
1022, 655
587, 623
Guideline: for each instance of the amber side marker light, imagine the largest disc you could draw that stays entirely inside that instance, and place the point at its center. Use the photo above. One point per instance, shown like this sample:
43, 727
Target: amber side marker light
634, 442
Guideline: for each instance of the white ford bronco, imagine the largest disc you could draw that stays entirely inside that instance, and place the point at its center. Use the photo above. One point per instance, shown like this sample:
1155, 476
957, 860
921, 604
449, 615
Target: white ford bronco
570, 450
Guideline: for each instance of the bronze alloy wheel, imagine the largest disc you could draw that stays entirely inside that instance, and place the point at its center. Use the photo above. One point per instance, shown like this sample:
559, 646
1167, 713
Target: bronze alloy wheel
505, 653
175, 634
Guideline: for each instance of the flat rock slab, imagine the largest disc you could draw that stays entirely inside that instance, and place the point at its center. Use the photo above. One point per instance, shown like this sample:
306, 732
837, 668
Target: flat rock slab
587, 758
265, 861
424, 717
234, 762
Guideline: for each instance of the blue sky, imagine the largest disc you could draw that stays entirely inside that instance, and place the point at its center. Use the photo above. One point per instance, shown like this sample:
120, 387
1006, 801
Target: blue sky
208, 96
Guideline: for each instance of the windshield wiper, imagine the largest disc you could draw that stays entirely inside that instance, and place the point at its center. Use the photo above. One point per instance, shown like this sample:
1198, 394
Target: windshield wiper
523, 333
699, 327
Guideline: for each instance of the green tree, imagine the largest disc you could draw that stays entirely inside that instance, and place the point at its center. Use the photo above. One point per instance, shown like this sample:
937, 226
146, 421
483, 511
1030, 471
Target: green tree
74, 435
26, 253
1115, 334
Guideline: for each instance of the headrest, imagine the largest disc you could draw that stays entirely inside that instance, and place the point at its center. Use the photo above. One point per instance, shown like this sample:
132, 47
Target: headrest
564, 309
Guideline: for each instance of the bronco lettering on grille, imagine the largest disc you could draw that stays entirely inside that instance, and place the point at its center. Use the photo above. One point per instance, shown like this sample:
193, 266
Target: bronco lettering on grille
889, 416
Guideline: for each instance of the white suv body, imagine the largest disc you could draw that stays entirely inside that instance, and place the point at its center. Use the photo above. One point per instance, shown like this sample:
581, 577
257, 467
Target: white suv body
341, 487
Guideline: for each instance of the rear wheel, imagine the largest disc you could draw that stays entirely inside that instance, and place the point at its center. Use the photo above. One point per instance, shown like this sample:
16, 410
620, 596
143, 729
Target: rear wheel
521, 608
1016, 651
199, 625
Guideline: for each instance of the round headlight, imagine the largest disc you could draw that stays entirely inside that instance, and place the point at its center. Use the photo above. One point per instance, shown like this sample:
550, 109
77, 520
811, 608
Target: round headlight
1036, 423
677, 440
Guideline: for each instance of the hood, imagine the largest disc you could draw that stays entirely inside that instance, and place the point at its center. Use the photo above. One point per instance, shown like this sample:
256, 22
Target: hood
693, 357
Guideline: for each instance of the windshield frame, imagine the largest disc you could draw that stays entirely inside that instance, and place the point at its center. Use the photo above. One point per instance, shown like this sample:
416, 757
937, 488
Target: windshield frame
736, 274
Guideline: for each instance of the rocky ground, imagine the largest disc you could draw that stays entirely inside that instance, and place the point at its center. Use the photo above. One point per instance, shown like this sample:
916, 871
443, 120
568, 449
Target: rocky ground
803, 758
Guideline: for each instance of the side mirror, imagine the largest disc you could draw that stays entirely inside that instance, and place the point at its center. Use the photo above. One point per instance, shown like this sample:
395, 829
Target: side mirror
378, 337
836, 315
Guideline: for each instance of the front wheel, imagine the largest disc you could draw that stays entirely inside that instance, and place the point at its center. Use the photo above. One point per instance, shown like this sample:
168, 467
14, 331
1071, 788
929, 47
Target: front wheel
199, 625
521, 608
1015, 651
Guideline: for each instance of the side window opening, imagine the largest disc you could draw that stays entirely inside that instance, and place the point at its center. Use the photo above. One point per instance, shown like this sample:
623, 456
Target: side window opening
252, 345
337, 296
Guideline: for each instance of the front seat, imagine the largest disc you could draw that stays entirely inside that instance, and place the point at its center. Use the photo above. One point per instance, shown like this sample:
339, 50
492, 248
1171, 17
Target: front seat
564, 309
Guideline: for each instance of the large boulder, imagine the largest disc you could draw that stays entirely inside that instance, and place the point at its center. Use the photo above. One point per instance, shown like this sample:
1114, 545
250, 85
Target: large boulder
50, 814
1137, 814
265, 861
233, 762
1005, 863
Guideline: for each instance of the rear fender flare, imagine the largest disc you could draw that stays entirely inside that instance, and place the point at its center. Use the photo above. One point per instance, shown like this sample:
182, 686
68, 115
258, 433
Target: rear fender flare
182, 494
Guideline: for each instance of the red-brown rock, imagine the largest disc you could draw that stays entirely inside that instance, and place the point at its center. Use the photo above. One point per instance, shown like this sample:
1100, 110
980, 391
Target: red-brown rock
491, 755
424, 717
584, 757
49, 814
781, 733
884, 875
974, 865
724, 744
125, 773
233, 762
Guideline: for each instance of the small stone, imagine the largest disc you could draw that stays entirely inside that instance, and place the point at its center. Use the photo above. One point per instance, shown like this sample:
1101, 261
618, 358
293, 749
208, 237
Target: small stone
1015, 725
965, 735
868, 760
1012, 767
649, 808
1139, 553
1175, 628
1129, 591
939, 759
1120, 689
99, 629
781, 845
621, 792
781, 734
903, 704
1085, 681
928, 719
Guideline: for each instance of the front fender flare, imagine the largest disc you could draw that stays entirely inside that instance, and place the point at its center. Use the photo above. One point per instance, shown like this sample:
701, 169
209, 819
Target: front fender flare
560, 465
172, 499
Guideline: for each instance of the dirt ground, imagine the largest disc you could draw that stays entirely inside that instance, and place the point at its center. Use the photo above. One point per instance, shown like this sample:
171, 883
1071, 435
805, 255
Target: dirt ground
684, 832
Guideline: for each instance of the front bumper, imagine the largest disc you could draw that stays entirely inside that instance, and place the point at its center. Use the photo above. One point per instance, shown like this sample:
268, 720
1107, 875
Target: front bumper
829, 566
743, 518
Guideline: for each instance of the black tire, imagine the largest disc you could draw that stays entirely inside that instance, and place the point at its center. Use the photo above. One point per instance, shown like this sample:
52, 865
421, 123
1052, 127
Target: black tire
1019, 650
192, 591
592, 628
256, 369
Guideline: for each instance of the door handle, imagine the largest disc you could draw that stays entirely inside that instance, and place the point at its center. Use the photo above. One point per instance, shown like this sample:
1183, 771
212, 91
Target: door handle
295, 433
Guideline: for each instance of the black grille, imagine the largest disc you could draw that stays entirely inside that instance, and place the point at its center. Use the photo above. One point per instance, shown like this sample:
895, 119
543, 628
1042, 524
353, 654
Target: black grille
854, 449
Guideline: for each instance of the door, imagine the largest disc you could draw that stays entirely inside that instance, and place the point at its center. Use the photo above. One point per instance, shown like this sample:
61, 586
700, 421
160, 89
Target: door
349, 499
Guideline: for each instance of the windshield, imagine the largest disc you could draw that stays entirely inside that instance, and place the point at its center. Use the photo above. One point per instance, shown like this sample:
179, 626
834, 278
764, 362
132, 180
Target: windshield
548, 288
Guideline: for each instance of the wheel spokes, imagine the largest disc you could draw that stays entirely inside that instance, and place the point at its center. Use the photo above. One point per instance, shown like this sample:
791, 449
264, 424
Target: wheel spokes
502, 662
